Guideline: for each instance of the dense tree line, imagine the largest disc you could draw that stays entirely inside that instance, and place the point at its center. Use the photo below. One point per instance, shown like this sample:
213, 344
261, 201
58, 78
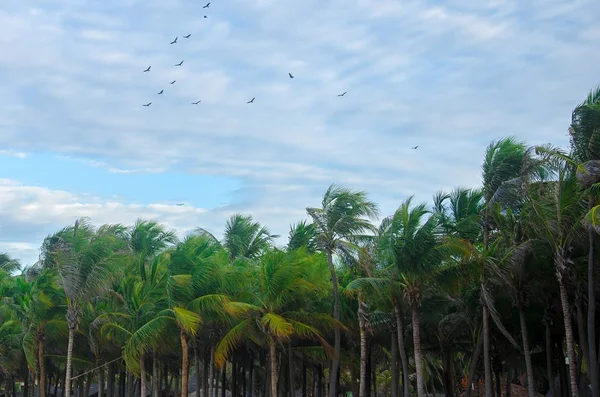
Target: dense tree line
480, 289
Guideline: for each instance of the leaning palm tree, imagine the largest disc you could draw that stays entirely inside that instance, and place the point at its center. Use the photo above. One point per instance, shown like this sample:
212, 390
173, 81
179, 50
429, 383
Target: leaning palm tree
415, 246
146, 240
276, 311
344, 215
87, 263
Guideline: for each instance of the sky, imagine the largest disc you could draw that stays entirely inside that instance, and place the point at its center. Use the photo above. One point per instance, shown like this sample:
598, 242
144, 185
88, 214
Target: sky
449, 76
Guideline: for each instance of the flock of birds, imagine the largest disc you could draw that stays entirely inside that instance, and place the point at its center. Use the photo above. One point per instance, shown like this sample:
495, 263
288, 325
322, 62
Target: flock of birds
181, 64
291, 76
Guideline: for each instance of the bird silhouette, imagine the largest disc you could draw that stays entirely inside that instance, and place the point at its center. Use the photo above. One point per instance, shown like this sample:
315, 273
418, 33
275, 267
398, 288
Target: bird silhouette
147, 70
148, 104
174, 41
207, 5
344, 93
195, 103
173, 82
291, 77
161, 91
251, 100
205, 16
179, 64
415, 147
187, 37
179, 204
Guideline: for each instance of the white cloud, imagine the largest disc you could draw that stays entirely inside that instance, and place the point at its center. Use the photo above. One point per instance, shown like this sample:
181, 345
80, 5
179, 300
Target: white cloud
449, 78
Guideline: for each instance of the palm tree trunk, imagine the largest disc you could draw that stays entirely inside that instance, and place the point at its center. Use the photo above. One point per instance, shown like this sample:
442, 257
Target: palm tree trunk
417, 346
101, 381
489, 384
69, 361
564, 301
155, 376
142, 377
273, 366
549, 372
198, 372
291, 372
394, 365
184, 364
42, 366
591, 321
402, 351
527, 352
362, 391
335, 363
211, 368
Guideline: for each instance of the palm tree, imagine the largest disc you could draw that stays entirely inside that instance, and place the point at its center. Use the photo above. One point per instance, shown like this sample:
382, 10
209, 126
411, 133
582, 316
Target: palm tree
302, 234
559, 210
9, 264
415, 246
343, 216
246, 238
38, 306
86, 261
503, 161
146, 240
585, 144
276, 311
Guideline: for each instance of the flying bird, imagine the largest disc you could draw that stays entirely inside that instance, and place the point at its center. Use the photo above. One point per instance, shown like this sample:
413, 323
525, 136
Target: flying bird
161, 91
148, 104
179, 204
344, 93
415, 147
187, 37
291, 76
195, 103
147, 70
207, 5
251, 100
205, 16
174, 41
179, 64
173, 82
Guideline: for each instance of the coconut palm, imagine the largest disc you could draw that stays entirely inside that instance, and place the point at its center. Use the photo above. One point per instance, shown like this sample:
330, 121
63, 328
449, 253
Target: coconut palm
585, 144
344, 215
87, 262
414, 243
559, 208
246, 238
503, 162
147, 239
302, 234
276, 311
38, 305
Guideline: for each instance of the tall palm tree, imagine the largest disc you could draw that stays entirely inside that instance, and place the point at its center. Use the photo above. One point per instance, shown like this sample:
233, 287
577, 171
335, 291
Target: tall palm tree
9, 264
87, 264
503, 161
38, 305
585, 144
414, 243
276, 310
343, 216
559, 209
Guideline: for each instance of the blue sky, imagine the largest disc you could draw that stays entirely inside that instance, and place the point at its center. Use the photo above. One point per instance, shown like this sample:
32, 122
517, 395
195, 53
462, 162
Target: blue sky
447, 76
